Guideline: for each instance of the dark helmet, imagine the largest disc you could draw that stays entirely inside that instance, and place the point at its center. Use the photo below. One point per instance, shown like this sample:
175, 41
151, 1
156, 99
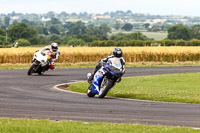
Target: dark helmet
117, 52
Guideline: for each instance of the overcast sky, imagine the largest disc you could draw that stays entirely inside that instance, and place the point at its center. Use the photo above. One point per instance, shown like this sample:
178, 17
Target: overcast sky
154, 7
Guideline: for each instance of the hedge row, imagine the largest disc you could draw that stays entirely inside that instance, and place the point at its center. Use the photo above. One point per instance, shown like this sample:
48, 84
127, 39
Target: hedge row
145, 43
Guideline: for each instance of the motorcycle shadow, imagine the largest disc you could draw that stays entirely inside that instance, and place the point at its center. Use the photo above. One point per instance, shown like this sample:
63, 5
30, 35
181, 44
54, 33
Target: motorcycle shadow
49, 75
106, 97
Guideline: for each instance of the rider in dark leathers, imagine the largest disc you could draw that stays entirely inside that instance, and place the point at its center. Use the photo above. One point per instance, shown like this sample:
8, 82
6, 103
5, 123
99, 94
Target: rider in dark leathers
117, 52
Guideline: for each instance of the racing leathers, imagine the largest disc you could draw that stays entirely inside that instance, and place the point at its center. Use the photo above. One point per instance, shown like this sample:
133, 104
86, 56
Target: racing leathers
54, 55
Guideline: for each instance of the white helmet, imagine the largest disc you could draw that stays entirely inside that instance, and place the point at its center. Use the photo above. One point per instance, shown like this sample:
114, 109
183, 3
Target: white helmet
54, 47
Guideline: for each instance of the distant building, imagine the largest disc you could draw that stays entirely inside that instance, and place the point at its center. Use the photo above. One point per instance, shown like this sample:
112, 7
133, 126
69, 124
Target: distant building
181, 20
120, 20
15, 17
129, 20
101, 17
45, 19
159, 20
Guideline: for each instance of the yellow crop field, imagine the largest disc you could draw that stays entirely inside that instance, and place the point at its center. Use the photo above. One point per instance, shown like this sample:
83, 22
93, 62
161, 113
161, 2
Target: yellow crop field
93, 54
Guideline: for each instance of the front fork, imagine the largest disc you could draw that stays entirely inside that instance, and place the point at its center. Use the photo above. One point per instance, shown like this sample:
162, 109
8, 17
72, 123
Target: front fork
37, 63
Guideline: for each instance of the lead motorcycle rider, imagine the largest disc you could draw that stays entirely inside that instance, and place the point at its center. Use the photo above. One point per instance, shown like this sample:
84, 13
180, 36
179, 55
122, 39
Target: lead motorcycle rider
54, 53
117, 52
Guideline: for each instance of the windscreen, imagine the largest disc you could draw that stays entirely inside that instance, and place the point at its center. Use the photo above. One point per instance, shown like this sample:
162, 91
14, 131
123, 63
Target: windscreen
115, 62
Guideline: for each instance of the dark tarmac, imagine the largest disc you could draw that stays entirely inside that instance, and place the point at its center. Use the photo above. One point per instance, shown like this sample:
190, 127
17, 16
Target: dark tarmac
23, 96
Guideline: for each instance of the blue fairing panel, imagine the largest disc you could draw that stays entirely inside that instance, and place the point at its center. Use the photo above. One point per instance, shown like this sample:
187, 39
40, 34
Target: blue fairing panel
97, 77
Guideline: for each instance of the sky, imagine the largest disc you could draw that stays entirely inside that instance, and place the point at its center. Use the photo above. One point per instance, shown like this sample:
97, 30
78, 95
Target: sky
153, 7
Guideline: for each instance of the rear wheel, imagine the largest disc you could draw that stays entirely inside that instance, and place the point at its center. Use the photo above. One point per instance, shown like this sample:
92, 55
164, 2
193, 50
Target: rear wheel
104, 88
32, 69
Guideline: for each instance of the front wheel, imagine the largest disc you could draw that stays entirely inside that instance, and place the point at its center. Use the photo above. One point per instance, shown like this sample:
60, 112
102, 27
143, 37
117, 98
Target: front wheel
89, 92
105, 87
32, 69
41, 71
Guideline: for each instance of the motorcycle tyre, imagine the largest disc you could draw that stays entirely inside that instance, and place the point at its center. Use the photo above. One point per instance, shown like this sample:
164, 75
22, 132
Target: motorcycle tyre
89, 93
107, 88
41, 72
30, 71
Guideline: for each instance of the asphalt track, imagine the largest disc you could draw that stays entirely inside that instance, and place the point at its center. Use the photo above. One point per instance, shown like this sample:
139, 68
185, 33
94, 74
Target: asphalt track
23, 96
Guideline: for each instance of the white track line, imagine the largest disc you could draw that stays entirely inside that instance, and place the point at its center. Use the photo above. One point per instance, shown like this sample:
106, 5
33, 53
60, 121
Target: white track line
56, 87
76, 81
64, 84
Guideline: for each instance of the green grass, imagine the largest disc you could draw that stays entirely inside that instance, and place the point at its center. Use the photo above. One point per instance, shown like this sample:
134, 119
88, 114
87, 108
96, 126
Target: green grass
47, 126
92, 65
27, 66
14, 67
184, 88
156, 35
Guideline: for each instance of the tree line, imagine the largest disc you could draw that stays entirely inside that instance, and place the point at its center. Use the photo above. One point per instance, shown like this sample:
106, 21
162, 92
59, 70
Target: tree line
78, 33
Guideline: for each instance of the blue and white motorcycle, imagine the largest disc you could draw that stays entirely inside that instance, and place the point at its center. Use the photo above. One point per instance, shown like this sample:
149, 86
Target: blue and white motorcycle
105, 78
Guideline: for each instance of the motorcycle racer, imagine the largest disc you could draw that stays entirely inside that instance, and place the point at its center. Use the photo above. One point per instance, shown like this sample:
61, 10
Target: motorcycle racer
54, 53
117, 52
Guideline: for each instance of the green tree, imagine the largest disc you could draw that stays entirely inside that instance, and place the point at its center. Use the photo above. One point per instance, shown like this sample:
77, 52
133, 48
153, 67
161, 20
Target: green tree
1, 23
54, 30
77, 30
2, 39
68, 25
45, 31
92, 30
39, 29
50, 14
132, 36
165, 27
76, 42
15, 22
104, 30
43, 39
55, 21
154, 29
195, 31
7, 21
127, 27
2, 32
179, 32
146, 25
117, 25
22, 31
89, 38
23, 42
53, 37
137, 36
31, 24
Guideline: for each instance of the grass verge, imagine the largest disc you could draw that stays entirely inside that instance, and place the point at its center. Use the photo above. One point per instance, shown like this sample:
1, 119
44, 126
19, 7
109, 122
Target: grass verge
93, 64
27, 66
184, 88
47, 126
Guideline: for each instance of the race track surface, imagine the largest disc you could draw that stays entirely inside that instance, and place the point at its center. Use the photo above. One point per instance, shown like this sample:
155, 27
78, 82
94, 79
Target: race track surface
23, 96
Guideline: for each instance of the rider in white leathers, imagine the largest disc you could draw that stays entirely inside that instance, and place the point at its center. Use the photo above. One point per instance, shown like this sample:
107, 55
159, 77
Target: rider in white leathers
54, 53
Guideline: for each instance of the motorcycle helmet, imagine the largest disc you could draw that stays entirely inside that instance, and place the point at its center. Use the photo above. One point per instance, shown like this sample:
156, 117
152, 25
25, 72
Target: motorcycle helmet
54, 47
117, 52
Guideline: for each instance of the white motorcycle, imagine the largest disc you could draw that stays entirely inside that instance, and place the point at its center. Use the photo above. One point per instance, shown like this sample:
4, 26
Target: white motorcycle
40, 63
